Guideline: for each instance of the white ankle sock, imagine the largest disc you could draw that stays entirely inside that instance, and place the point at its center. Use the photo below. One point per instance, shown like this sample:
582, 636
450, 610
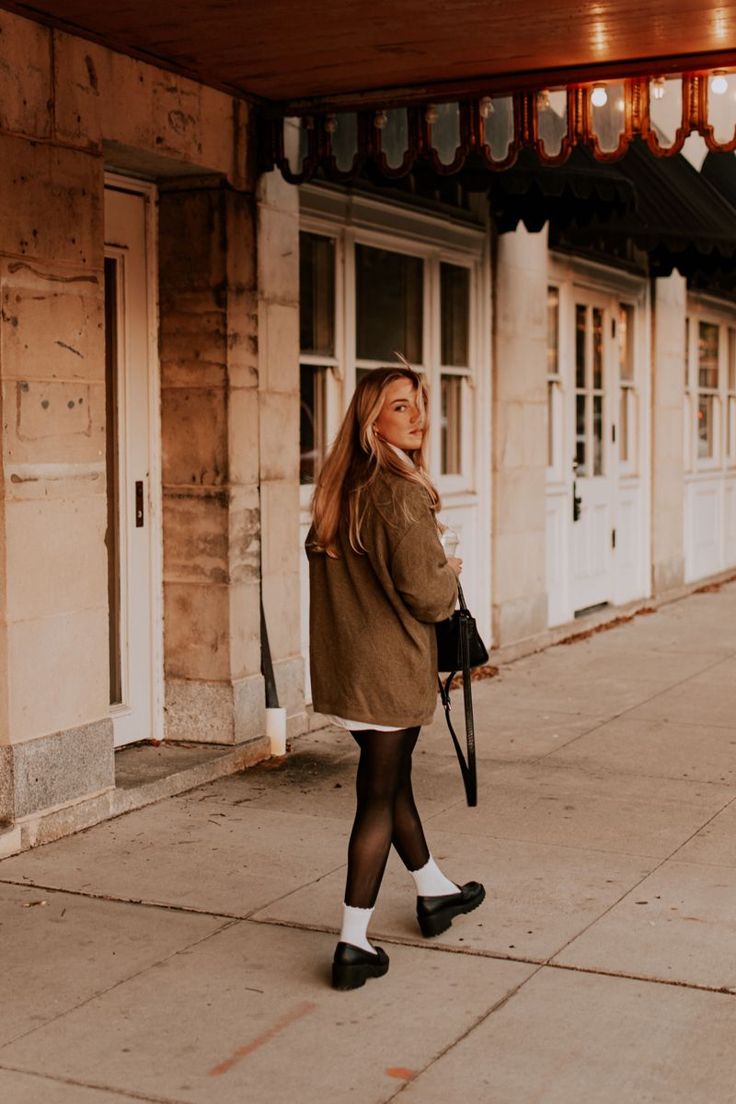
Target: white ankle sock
354, 927
431, 882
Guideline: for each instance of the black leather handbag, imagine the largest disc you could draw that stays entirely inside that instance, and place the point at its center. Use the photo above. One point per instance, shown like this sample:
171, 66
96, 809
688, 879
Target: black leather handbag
460, 648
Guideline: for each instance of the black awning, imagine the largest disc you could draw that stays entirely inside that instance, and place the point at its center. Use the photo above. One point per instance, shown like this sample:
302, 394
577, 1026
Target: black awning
574, 194
677, 216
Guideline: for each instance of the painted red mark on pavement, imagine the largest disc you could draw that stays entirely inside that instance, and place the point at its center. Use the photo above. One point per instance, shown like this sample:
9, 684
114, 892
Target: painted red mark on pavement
401, 1073
243, 1051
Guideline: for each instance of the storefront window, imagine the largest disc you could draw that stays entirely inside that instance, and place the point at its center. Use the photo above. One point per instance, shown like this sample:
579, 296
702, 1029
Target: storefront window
455, 355
708, 381
628, 398
553, 376
389, 294
317, 347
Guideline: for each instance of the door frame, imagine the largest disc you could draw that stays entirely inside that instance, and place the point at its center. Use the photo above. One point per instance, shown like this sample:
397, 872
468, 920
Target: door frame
149, 193
568, 273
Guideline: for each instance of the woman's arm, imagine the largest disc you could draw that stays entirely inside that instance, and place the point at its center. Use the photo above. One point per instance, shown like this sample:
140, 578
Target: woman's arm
421, 573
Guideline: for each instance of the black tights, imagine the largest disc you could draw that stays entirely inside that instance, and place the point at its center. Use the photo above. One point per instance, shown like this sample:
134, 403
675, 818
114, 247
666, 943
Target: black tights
386, 813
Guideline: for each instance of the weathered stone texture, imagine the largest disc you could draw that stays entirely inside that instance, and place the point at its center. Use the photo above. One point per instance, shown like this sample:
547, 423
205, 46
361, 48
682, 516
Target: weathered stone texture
58, 668
210, 456
56, 214
50, 329
62, 767
25, 77
103, 95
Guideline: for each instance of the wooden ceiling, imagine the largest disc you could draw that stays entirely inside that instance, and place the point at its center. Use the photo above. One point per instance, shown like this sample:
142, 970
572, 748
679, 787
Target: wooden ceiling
289, 51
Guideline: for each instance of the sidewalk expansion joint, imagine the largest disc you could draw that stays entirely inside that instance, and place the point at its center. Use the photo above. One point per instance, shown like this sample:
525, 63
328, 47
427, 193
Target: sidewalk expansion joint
129, 1094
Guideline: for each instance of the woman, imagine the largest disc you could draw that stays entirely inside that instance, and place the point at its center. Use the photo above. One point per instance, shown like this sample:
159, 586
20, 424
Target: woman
379, 580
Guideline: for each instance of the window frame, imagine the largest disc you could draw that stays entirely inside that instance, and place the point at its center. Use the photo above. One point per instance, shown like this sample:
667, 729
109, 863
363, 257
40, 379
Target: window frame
701, 309
431, 240
628, 392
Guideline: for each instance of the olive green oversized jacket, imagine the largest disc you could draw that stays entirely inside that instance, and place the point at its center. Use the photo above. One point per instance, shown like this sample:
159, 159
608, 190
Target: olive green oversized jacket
373, 651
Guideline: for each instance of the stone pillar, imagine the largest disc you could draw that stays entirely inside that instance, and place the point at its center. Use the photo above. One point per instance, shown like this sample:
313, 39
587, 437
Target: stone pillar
210, 432
55, 733
519, 437
668, 463
278, 342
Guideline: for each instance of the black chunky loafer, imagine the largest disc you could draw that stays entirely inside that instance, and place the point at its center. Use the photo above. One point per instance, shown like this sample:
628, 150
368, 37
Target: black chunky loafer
352, 966
435, 914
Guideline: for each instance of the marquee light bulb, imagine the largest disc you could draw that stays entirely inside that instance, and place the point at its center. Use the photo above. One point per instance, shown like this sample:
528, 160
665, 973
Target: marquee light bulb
719, 85
599, 96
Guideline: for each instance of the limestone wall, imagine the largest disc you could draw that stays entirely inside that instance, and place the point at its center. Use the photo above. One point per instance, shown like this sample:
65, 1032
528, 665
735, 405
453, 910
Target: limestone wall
69, 109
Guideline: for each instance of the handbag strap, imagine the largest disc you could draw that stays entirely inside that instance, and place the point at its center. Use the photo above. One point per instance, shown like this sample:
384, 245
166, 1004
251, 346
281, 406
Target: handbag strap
468, 767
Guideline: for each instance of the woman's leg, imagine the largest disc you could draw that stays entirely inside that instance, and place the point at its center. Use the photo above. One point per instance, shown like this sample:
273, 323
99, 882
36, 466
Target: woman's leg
383, 765
409, 839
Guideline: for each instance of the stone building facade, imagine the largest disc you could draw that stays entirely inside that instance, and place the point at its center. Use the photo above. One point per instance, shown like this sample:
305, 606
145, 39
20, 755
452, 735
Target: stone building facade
154, 382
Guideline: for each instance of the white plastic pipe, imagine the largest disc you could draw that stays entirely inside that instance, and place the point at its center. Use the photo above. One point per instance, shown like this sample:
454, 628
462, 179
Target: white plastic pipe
276, 730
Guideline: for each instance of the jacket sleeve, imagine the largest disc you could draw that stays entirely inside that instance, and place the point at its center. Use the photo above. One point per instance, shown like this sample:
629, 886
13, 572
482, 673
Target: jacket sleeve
422, 575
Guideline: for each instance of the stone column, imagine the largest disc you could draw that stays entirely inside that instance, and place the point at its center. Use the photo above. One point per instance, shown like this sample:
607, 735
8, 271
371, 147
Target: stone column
668, 463
55, 733
278, 343
210, 433
519, 437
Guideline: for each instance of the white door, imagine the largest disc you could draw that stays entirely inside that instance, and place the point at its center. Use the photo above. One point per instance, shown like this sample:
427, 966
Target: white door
133, 514
592, 581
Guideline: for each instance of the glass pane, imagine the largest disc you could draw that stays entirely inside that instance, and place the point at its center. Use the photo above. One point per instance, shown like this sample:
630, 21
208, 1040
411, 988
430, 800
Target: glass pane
705, 426
552, 119
345, 141
580, 451
451, 424
623, 425
722, 106
665, 108
731, 359
597, 348
551, 386
455, 321
112, 462
708, 355
626, 341
580, 322
597, 435
607, 110
687, 354
498, 126
316, 294
312, 381
553, 331
296, 142
388, 294
446, 131
395, 136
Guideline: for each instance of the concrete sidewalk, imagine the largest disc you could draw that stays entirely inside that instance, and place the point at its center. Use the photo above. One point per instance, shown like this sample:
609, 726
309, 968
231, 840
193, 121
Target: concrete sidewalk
181, 952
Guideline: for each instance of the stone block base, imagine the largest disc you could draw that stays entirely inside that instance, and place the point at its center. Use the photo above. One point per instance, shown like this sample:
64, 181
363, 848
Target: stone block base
201, 712
668, 575
518, 619
56, 770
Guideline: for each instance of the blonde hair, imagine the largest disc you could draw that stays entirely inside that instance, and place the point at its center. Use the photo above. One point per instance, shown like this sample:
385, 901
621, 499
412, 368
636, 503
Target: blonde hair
359, 454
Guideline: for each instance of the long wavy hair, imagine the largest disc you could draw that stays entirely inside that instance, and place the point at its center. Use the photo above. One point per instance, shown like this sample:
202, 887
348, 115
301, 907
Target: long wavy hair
359, 454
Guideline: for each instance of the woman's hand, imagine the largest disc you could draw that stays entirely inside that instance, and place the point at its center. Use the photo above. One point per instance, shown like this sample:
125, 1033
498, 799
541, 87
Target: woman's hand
456, 564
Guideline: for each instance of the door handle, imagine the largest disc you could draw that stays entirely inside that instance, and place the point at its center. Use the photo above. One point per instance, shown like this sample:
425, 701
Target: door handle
139, 514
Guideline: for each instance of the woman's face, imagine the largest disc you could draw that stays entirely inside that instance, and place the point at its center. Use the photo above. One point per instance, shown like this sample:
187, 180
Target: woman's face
401, 422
